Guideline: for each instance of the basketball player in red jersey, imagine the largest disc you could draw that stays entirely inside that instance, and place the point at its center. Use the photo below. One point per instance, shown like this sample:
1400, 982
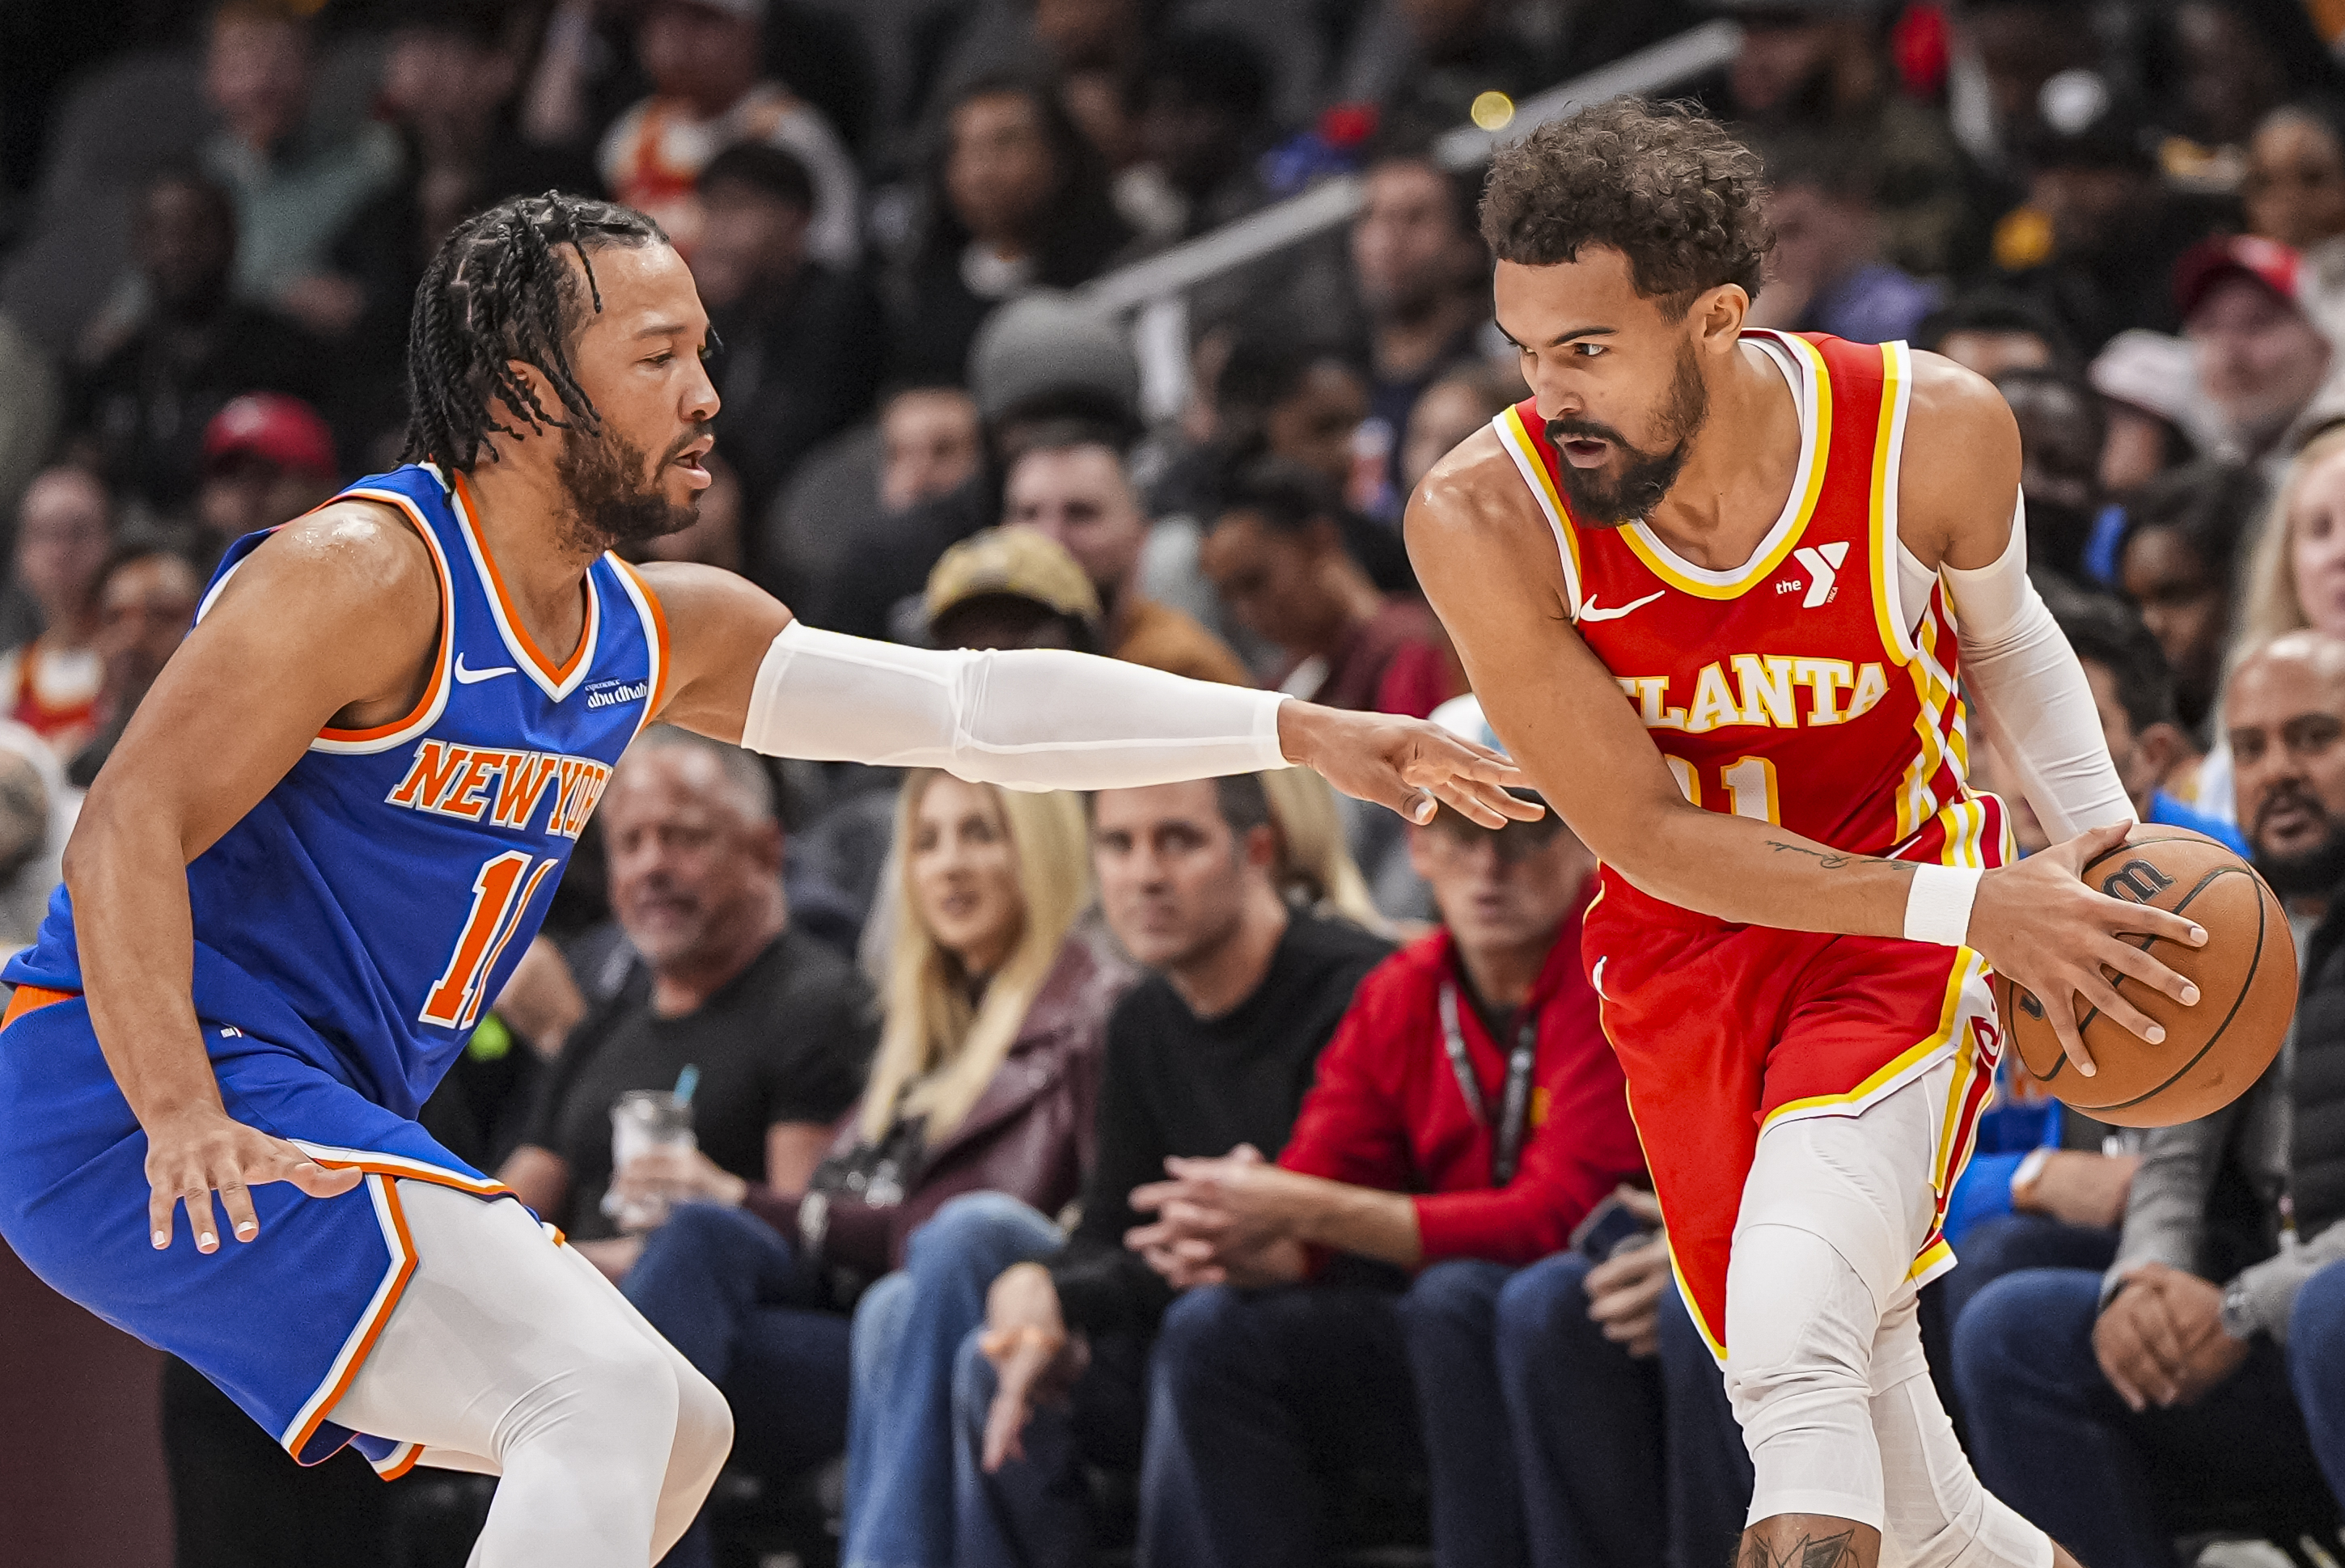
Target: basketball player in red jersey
1713, 587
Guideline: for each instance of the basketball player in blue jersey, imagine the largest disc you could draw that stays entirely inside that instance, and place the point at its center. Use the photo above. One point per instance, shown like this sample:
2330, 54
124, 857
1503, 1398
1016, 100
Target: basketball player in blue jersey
336, 822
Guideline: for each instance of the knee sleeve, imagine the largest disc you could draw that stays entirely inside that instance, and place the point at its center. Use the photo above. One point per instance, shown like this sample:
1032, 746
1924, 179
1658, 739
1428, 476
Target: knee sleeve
1800, 1328
1938, 1515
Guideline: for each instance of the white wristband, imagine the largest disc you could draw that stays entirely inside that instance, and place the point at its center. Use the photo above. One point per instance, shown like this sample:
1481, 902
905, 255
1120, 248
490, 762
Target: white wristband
1938, 905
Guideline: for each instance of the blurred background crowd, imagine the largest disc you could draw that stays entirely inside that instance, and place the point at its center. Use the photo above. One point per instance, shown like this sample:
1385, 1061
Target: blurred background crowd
1128, 325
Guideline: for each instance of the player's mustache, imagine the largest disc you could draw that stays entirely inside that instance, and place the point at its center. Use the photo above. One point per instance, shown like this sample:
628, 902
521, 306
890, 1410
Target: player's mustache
1561, 430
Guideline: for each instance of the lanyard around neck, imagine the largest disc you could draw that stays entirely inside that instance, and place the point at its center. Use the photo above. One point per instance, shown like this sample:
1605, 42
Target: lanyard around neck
1506, 1150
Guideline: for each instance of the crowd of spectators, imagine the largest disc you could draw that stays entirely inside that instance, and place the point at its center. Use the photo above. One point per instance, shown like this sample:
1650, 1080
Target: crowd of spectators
1217, 1167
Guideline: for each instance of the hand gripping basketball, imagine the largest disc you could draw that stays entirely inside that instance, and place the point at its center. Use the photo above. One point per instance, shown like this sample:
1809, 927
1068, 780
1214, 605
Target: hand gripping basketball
2045, 930
1408, 765
204, 1151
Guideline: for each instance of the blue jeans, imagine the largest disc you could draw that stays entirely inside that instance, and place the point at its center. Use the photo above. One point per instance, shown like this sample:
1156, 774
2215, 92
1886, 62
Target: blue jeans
2007, 1243
1261, 1404
729, 1291
908, 1329
2316, 1365
1710, 1476
1035, 1512
1542, 1438
2052, 1439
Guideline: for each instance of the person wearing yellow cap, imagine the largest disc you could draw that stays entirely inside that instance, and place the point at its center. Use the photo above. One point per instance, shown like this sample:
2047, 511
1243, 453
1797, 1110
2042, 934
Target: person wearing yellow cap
1010, 588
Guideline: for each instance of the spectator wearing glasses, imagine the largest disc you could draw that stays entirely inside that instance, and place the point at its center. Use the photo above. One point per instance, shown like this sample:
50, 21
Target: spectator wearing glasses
1467, 1118
51, 685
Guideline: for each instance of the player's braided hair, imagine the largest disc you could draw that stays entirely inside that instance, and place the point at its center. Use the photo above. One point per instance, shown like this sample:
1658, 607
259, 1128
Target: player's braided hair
501, 290
1663, 184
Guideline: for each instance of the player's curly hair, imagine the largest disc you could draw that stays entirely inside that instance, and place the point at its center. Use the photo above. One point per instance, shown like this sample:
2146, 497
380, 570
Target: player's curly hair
498, 290
1661, 183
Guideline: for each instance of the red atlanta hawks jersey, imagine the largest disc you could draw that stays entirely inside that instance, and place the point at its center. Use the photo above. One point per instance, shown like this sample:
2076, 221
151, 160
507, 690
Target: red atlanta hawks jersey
1795, 688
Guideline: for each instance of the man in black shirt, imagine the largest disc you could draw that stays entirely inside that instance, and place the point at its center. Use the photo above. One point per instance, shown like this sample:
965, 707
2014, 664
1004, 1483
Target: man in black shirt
139, 414
776, 1026
1215, 1048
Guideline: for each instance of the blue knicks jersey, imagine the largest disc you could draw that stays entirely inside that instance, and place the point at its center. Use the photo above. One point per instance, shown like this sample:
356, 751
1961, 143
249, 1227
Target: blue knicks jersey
385, 888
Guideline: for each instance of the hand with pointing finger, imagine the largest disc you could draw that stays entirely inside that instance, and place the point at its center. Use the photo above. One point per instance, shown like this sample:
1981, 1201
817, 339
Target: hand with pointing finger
2043, 928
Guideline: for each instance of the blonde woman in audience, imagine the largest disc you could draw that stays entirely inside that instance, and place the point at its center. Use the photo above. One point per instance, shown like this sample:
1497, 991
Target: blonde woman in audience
2296, 578
984, 1081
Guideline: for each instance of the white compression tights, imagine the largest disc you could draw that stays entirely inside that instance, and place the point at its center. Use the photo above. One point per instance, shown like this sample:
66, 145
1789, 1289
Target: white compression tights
515, 1358
1824, 1360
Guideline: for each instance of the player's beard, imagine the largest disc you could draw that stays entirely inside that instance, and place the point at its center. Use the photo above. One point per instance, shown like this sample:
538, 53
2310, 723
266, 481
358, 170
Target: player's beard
1645, 477
2312, 873
616, 500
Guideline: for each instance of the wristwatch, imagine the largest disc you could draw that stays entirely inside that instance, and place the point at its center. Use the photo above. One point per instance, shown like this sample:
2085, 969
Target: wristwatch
2238, 1314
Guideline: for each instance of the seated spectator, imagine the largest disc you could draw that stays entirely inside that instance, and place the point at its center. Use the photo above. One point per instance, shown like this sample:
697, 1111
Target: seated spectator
2176, 563
2297, 577
450, 73
50, 684
1278, 556
268, 458
1826, 274
1011, 587
1039, 360
146, 602
1419, 1150
2133, 688
705, 60
37, 809
1070, 484
295, 184
930, 445
1422, 275
1991, 331
140, 413
1202, 101
801, 340
2119, 1409
2294, 194
770, 1023
2261, 360
2147, 383
986, 1080
1016, 199
2094, 246
1215, 1048
2061, 431
1448, 411
1304, 403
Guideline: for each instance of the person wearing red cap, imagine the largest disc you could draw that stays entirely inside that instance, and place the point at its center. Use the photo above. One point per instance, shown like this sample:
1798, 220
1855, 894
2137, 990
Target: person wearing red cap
2261, 360
268, 458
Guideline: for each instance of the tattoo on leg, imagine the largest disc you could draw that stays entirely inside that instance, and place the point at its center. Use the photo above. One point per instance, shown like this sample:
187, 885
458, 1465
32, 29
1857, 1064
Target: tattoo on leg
1809, 1552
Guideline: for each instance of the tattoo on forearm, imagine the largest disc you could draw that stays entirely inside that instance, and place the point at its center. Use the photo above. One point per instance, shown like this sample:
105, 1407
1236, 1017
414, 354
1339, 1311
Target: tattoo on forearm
1809, 1552
1826, 860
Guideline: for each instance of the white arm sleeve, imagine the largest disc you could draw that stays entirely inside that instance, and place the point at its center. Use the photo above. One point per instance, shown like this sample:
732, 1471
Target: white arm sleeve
1033, 719
2023, 673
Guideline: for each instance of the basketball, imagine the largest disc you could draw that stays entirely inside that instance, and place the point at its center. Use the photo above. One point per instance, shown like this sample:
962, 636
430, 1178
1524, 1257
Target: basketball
2246, 975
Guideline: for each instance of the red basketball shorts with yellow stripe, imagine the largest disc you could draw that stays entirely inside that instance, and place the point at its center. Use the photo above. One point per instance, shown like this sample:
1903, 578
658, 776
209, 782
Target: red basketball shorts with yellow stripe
1724, 1030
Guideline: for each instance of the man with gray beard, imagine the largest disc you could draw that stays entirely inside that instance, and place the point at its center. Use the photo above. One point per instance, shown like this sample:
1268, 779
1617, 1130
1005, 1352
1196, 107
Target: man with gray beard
2199, 1372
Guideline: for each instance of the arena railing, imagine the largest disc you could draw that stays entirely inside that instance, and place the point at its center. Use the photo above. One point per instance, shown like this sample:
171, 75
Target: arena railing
1155, 291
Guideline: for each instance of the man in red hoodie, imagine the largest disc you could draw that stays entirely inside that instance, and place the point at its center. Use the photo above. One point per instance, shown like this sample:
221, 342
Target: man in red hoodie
1466, 1119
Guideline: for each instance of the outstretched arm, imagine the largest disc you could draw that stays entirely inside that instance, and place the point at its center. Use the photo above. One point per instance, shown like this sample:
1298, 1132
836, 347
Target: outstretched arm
1488, 565
747, 673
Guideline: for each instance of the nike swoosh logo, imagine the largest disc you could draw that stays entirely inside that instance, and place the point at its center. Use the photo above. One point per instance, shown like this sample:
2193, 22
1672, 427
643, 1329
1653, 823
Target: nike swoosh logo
1588, 612
474, 677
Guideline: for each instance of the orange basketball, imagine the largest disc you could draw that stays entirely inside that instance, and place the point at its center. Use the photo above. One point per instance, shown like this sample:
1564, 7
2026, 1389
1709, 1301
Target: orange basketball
2213, 1051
